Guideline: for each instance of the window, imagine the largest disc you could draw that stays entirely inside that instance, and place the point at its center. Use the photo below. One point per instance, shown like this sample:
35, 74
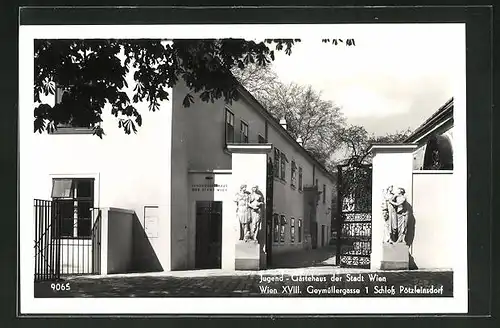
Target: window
69, 122
262, 139
299, 223
324, 194
276, 228
293, 177
243, 132
73, 203
282, 228
292, 230
316, 183
300, 178
276, 162
229, 126
283, 166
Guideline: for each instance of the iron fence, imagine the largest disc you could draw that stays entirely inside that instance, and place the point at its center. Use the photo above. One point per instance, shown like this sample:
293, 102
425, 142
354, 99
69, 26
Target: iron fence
354, 231
67, 239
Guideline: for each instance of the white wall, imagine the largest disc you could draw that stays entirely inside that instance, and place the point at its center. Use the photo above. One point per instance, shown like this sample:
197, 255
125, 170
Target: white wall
199, 132
130, 171
433, 210
392, 165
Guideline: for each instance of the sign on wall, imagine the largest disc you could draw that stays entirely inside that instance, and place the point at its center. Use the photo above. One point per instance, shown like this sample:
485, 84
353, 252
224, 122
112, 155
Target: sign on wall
151, 219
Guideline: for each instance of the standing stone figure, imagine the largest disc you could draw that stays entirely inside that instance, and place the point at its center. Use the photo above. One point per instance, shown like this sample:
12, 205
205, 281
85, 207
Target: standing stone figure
401, 208
389, 215
242, 200
256, 204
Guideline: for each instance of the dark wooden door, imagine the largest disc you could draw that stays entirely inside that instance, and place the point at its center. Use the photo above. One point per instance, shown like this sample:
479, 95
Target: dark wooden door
208, 249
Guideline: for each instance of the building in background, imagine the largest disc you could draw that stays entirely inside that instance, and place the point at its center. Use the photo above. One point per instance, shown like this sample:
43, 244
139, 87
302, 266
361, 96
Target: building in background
163, 194
435, 140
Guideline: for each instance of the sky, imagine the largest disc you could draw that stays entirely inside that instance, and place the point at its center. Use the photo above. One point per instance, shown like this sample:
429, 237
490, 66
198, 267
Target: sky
394, 78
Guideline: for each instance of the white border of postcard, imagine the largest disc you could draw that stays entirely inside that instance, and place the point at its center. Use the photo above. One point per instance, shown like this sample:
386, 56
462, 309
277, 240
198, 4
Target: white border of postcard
238, 305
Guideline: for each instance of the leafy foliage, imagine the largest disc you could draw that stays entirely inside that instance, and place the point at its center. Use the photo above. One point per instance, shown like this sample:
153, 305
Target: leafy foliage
308, 116
93, 73
357, 141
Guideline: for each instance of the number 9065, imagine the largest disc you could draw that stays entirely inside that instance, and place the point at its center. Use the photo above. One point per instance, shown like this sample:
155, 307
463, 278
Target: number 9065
60, 287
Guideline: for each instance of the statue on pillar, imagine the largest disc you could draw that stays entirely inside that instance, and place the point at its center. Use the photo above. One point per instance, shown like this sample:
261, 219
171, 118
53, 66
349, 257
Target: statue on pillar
242, 200
395, 214
256, 204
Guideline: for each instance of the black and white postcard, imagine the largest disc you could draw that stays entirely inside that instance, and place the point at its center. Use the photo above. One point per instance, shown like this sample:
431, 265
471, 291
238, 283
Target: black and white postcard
243, 169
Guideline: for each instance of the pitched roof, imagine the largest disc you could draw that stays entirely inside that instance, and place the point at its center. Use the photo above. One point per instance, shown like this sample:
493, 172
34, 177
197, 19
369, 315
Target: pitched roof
245, 93
442, 114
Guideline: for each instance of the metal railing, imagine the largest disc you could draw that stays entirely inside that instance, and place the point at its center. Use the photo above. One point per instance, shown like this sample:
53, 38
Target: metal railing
66, 245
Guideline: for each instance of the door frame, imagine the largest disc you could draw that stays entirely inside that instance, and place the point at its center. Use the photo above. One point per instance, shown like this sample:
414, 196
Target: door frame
196, 260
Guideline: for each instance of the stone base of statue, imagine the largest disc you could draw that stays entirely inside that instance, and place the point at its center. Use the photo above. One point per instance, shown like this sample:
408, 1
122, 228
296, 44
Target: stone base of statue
249, 256
395, 256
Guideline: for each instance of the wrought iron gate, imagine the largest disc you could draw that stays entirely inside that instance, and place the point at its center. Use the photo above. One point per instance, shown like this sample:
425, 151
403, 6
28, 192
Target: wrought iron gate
47, 248
269, 211
56, 253
354, 229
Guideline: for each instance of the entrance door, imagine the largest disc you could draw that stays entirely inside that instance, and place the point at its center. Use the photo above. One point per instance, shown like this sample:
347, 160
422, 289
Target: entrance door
208, 235
322, 235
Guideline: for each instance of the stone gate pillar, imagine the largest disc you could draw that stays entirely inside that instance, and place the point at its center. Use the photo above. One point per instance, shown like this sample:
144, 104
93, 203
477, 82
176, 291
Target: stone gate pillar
249, 169
392, 165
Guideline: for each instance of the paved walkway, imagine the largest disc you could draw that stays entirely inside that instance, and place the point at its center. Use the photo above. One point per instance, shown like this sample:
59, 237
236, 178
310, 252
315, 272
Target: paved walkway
319, 257
306, 271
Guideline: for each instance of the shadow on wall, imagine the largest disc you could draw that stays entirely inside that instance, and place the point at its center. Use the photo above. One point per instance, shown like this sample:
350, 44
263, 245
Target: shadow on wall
144, 258
410, 234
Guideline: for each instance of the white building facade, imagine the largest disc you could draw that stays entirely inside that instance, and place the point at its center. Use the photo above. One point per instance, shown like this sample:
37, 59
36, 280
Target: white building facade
172, 184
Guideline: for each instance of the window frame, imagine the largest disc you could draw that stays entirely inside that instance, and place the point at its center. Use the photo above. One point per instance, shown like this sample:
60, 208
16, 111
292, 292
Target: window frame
68, 128
282, 231
243, 136
76, 201
300, 178
300, 230
324, 193
277, 161
292, 230
276, 228
293, 174
283, 160
228, 113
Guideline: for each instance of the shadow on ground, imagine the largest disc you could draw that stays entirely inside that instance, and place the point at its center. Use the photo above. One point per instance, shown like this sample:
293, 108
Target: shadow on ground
325, 256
